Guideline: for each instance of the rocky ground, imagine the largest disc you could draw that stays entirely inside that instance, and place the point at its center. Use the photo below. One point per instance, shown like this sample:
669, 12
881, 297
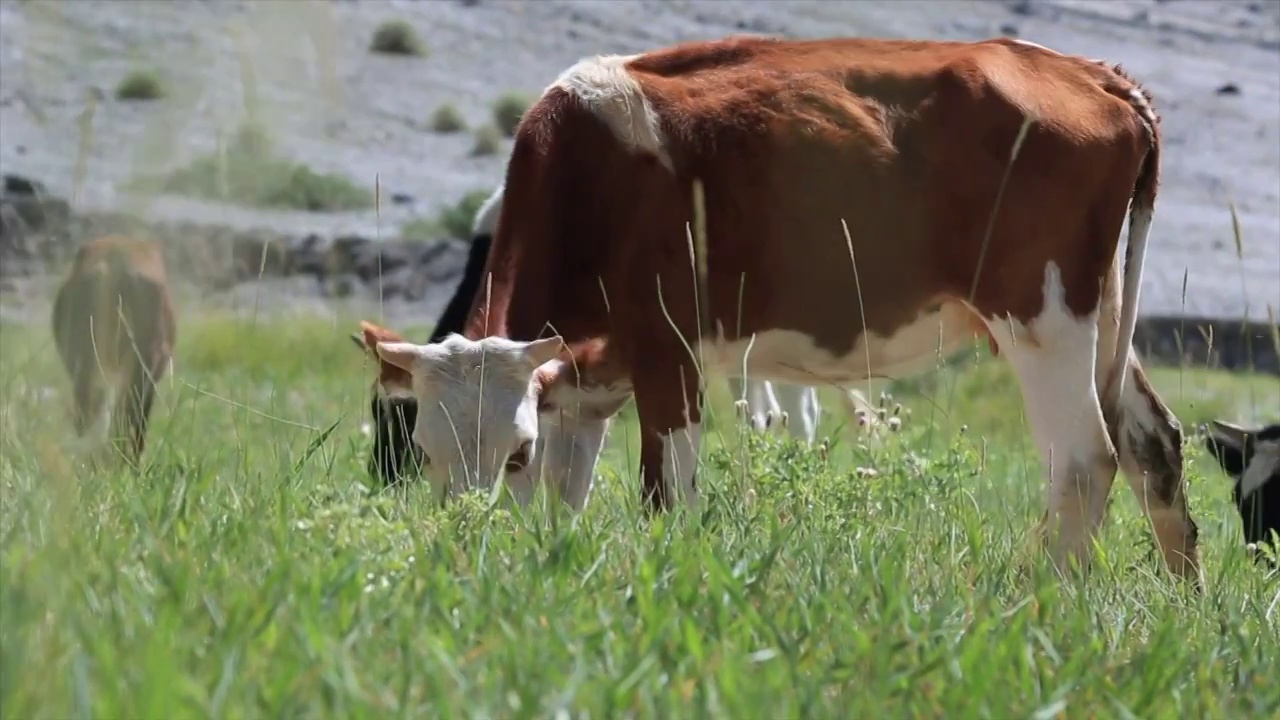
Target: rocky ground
1213, 66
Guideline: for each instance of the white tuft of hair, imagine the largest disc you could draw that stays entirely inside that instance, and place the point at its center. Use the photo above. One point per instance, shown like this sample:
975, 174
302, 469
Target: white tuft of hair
486, 221
609, 90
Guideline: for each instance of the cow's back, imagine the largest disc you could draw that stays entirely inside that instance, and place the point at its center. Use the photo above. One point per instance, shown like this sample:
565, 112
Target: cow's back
904, 142
114, 281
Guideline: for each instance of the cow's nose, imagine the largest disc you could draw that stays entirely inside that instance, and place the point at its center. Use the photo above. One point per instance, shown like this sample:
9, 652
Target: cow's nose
519, 459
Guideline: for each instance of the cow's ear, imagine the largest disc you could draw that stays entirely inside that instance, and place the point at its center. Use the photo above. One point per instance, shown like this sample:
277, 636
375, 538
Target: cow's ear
1225, 443
370, 335
544, 350
400, 355
1228, 434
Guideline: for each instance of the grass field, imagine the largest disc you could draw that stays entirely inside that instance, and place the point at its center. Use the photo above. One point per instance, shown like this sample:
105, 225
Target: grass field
247, 572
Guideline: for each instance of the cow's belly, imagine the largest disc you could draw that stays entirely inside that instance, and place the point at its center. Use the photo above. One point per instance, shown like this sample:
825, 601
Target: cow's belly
790, 356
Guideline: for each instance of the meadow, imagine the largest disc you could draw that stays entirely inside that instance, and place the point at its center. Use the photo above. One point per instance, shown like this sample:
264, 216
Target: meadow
250, 569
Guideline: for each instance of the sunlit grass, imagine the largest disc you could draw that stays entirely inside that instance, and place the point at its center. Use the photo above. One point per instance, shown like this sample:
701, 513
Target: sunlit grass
247, 572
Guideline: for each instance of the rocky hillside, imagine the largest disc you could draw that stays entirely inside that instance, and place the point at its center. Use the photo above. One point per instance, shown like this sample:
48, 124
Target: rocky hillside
334, 109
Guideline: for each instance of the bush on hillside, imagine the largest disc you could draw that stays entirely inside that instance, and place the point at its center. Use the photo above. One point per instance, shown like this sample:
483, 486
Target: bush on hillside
488, 140
447, 119
140, 85
247, 171
508, 110
397, 37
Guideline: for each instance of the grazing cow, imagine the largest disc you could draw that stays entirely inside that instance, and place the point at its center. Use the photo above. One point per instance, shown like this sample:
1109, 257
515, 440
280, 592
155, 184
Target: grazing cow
1251, 456
394, 410
114, 327
393, 407
869, 205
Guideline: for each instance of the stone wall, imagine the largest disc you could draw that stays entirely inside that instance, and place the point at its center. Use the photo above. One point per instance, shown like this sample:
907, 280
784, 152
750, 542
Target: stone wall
39, 233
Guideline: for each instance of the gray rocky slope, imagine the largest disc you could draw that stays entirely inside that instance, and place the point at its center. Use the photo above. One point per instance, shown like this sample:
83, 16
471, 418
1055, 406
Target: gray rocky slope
1214, 68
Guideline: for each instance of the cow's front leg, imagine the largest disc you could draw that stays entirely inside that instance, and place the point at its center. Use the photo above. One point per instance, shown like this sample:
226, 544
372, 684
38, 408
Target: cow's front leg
669, 404
573, 445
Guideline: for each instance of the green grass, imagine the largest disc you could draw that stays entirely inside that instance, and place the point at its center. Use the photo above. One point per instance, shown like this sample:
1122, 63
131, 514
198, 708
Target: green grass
247, 573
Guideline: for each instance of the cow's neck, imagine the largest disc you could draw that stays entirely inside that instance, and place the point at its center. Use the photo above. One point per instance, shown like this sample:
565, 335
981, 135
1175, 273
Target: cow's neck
529, 299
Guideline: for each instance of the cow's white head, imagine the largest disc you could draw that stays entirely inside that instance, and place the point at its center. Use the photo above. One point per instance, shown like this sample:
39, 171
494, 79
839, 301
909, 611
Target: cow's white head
477, 405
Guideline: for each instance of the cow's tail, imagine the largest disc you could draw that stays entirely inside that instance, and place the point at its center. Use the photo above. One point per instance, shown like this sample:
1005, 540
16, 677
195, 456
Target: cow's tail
1141, 213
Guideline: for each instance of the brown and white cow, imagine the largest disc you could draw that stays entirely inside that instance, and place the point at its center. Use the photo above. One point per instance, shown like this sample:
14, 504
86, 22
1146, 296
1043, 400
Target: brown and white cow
114, 327
394, 410
593, 293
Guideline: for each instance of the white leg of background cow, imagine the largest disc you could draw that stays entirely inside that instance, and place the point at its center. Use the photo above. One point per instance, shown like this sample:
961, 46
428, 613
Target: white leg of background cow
861, 410
760, 400
800, 403
1054, 359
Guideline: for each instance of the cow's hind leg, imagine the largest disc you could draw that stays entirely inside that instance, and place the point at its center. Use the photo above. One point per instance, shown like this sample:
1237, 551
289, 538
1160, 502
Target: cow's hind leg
133, 414
1054, 357
862, 415
756, 402
1150, 444
800, 403
1148, 438
88, 399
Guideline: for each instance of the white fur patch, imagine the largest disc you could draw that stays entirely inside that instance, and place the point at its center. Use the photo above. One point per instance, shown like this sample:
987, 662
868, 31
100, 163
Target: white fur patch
608, 89
486, 222
1054, 358
1037, 46
786, 356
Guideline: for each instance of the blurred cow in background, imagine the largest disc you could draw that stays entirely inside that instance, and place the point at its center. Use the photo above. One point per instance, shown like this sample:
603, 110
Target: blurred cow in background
1251, 456
114, 327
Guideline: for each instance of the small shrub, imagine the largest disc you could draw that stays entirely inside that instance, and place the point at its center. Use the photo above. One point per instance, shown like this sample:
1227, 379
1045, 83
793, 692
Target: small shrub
447, 119
397, 37
421, 229
249, 173
140, 85
458, 219
251, 138
454, 221
507, 111
487, 142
